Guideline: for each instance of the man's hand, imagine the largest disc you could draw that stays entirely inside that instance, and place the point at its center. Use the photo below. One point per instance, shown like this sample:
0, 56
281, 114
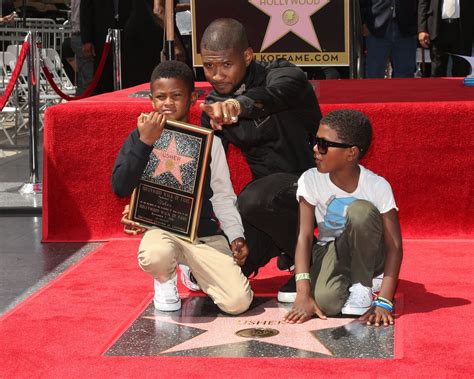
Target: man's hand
8, 19
130, 227
159, 10
240, 250
88, 50
221, 113
424, 39
377, 315
150, 126
303, 309
365, 30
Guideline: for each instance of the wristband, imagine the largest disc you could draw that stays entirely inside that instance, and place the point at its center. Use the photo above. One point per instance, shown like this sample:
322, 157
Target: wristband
303, 276
384, 300
383, 305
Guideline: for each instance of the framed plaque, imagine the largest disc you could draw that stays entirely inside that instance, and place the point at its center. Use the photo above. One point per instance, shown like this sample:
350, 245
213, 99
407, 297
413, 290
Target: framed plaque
304, 32
169, 194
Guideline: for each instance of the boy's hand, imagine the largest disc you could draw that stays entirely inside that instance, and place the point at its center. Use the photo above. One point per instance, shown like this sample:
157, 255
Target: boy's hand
240, 250
303, 309
150, 126
221, 113
377, 315
130, 227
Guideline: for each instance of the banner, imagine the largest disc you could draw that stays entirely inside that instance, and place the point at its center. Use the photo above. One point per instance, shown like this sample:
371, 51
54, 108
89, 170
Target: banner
304, 32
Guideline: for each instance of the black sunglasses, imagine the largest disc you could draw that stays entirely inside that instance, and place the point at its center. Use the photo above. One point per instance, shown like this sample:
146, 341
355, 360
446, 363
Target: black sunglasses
323, 145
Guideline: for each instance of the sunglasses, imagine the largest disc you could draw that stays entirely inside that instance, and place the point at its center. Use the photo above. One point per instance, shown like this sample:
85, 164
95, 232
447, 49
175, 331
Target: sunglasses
323, 145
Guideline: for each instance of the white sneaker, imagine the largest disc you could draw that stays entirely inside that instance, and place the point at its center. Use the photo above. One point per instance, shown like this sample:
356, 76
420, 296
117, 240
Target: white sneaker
359, 301
377, 283
187, 279
166, 296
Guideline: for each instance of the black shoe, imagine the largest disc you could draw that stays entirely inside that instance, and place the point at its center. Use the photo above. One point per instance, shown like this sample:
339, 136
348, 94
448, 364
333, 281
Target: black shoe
287, 293
285, 262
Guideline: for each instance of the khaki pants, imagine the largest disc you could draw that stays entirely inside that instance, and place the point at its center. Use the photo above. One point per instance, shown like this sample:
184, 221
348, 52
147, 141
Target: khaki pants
356, 256
210, 261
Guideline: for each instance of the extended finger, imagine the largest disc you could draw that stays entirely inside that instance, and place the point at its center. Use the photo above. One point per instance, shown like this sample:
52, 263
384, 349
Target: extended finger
320, 314
370, 319
215, 125
378, 319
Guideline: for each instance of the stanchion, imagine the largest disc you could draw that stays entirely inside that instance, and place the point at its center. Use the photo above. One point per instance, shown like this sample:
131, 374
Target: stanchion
117, 58
355, 41
33, 186
169, 30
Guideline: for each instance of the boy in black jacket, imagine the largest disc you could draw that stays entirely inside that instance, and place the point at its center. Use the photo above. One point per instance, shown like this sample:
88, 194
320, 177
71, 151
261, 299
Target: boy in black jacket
213, 263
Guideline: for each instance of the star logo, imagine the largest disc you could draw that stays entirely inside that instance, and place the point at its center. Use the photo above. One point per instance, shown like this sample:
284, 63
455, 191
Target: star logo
170, 161
290, 16
267, 316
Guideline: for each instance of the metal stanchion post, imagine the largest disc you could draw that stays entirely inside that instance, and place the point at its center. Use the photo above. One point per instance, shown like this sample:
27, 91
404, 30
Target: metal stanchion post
169, 29
117, 59
33, 186
356, 54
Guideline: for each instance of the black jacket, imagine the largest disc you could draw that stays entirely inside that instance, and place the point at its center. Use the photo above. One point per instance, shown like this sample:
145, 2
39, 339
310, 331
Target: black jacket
275, 136
429, 17
377, 14
128, 169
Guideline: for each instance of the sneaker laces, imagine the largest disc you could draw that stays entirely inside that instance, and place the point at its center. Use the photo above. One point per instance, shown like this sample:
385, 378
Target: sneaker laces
359, 295
167, 290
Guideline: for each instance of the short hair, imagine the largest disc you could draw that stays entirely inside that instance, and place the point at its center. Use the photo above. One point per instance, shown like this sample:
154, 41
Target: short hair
352, 127
224, 34
174, 69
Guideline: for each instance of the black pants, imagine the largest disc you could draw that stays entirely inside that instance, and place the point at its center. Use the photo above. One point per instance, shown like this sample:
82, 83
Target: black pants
450, 40
269, 212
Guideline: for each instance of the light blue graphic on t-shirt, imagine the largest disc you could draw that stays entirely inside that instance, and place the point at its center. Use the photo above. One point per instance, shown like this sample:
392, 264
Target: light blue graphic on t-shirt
335, 218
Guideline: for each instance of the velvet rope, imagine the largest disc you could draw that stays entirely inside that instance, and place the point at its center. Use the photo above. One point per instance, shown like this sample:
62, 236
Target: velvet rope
91, 86
15, 74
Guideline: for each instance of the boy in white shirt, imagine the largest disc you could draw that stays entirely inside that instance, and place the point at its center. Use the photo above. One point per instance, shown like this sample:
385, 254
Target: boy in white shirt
359, 232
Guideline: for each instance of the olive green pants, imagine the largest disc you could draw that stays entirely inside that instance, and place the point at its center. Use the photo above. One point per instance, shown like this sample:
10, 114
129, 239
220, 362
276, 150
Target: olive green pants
356, 256
210, 261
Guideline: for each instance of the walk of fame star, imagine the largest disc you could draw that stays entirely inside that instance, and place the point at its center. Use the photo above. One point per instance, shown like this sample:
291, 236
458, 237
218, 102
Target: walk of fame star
170, 161
290, 17
220, 331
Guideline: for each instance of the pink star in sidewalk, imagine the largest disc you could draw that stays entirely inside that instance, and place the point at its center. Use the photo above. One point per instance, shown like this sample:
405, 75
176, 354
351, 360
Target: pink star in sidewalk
170, 160
221, 330
290, 16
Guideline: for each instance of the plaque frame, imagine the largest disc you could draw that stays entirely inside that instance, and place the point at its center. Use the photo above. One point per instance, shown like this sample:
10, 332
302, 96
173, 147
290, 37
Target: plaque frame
172, 205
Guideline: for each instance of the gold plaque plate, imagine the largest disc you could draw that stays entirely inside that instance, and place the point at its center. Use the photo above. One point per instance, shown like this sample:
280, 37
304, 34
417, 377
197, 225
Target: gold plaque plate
257, 332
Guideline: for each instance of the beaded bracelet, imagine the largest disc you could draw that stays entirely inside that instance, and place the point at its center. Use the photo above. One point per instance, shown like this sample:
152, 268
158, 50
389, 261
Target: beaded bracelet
383, 299
303, 276
381, 304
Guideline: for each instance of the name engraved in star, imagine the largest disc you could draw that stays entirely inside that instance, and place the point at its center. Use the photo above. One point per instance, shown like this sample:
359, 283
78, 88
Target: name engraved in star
164, 209
261, 322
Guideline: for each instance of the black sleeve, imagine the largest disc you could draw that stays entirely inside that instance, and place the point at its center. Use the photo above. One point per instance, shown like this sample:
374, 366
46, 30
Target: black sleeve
130, 164
363, 11
283, 90
423, 6
87, 20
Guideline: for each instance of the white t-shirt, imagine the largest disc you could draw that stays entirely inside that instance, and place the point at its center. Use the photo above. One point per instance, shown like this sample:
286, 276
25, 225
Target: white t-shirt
331, 202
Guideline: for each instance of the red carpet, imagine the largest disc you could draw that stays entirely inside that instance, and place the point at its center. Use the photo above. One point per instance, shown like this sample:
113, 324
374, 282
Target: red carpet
64, 329
422, 144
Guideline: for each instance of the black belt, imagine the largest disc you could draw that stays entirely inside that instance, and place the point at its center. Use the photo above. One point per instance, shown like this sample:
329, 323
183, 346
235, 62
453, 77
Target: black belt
450, 20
